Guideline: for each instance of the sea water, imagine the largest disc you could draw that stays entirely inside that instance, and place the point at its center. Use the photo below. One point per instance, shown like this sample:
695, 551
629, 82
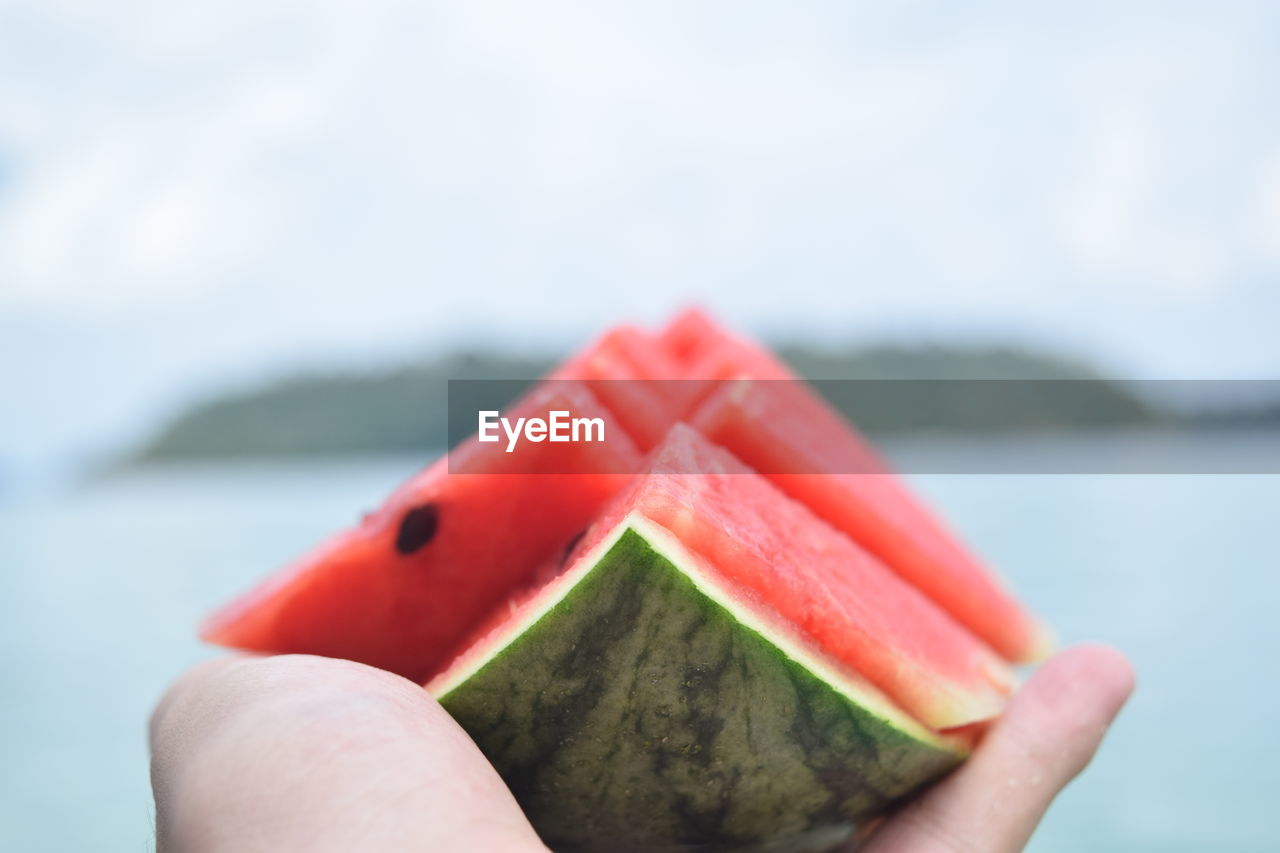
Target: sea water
102, 584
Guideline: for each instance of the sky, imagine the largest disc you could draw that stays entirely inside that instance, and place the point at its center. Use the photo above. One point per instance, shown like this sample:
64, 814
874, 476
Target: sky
196, 196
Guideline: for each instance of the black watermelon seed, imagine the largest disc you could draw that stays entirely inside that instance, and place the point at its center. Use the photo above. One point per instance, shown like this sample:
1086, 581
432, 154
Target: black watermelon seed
573, 543
417, 528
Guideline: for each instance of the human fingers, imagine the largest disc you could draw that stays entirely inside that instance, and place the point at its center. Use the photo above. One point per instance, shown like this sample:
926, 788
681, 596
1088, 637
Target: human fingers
305, 753
1048, 734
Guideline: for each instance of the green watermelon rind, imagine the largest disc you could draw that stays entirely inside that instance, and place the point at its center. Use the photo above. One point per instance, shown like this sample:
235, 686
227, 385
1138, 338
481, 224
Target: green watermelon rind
636, 705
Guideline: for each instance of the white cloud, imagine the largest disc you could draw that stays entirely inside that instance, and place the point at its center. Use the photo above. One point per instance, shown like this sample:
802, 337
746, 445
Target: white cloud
142, 174
1115, 228
1266, 209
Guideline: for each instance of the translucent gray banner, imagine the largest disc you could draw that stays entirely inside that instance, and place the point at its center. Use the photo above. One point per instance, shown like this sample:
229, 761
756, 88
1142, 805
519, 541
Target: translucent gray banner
952, 426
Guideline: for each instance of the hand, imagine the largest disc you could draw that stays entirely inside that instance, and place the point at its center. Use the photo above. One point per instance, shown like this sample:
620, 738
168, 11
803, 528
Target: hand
313, 754
1046, 736
299, 753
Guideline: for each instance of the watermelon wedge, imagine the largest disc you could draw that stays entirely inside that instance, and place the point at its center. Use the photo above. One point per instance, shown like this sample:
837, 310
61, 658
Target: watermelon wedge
788, 433
808, 452
702, 734
717, 668
401, 590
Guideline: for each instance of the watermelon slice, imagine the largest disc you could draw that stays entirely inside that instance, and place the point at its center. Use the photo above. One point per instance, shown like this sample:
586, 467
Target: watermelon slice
808, 452
717, 668
401, 590
788, 433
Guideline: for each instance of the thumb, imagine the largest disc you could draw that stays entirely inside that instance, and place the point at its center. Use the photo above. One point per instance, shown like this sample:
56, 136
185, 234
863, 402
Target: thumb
1051, 729
306, 753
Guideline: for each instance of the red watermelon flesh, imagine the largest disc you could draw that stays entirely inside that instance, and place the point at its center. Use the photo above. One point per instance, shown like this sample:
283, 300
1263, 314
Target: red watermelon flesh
400, 590
788, 437
773, 553
705, 350
638, 352
732, 358
622, 368
327, 604
705, 354
688, 336
791, 435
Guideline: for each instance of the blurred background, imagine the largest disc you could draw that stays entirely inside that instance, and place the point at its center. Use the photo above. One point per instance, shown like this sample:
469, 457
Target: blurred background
225, 227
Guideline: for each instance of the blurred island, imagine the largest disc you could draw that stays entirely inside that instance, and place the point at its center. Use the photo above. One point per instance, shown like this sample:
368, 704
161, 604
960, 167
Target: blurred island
405, 409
